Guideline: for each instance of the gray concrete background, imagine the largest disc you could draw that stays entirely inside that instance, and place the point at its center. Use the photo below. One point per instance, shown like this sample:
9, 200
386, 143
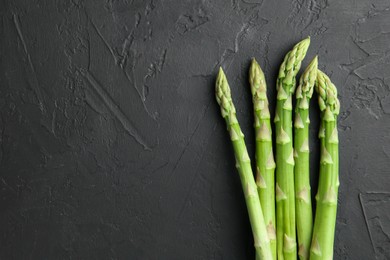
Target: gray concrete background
112, 145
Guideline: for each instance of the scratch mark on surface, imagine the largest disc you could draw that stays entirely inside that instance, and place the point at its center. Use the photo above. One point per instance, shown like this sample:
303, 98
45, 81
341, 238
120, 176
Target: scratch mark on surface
376, 206
229, 54
89, 51
154, 69
126, 45
134, 83
142, 98
105, 41
183, 206
91, 102
53, 122
160, 167
115, 109
366, 220
122, 62
183, 151
192, 182
157, 66
35, 82
189, 142
2, 141
20, 34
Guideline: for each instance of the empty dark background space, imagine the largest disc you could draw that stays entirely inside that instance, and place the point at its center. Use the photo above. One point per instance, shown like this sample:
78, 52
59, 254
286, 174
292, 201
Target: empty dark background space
112, 145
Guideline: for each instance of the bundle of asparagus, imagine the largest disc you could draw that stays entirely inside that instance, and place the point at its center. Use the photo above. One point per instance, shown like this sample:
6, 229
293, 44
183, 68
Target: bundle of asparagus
280, 210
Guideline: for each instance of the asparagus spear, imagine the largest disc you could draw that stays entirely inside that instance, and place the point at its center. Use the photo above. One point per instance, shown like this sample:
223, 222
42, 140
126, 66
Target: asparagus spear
265, 164
285, 198
243, 164
325, 218
302, 168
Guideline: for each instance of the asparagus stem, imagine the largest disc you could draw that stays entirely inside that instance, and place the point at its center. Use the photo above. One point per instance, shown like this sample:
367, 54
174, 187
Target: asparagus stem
285, 197
243, 164
302, 167
265, 164
325, 218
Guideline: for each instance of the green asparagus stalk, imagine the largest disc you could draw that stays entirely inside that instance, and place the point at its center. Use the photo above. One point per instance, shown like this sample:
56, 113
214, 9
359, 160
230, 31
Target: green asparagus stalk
285, 197
265, 164
243, 164
302, 167
325, 218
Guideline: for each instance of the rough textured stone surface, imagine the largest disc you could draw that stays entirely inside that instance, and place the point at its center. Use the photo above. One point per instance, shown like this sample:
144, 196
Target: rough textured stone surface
111, 142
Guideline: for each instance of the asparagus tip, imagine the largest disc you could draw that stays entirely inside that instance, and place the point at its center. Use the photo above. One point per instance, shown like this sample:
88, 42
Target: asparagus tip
304, 43
221, 77
220, 71
256, 78
327, 94
315, 60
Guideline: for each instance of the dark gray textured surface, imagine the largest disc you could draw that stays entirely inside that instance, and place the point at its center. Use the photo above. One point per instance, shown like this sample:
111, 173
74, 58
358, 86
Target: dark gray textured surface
111, 142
